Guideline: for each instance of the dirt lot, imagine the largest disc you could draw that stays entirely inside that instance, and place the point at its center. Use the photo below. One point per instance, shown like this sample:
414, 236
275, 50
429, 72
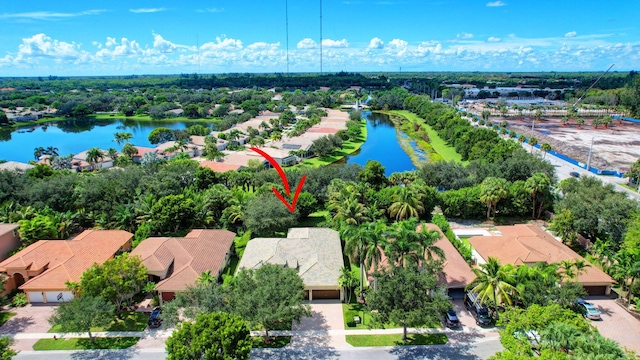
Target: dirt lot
614, 148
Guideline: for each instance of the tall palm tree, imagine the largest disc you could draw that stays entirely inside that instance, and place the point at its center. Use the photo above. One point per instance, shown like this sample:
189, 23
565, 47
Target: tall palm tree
38, 152
536, 184
94, 155
494, 283
626, 270
51, 151
350, 212
406, 203
347, 281
546, 147
492, 190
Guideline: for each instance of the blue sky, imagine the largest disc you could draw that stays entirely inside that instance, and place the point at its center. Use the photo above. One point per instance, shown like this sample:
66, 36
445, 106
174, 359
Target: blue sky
40, 38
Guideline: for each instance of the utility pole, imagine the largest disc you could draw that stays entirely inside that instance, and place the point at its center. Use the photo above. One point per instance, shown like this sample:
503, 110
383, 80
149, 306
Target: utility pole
589, 158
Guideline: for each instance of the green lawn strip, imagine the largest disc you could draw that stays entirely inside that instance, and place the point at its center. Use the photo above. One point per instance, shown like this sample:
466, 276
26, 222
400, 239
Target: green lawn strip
436, 143
314, 219
5, 316
85, 344
130, 321
396, 340
110, 117
356, 309
273, 343
348, 148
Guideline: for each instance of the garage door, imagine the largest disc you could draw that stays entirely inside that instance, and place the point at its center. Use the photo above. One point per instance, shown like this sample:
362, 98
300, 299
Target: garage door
35, 297
326, 294
168, 296
595, 290
58, 296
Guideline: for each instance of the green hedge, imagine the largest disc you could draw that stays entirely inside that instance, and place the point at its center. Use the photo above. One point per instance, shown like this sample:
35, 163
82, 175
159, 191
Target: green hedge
443, 224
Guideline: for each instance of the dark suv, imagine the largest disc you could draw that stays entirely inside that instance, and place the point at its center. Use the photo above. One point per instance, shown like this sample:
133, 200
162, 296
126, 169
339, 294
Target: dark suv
479, 311
154, 319
451, 319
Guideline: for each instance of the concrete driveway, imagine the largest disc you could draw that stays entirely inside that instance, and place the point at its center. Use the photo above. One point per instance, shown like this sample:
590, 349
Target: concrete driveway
617, 324
326, 315
28, 319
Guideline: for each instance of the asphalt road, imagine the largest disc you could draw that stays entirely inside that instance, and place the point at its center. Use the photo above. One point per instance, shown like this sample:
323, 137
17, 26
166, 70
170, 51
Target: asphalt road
479, 350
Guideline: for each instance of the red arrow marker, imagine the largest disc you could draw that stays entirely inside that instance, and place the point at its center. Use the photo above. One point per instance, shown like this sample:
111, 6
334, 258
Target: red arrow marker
283, 177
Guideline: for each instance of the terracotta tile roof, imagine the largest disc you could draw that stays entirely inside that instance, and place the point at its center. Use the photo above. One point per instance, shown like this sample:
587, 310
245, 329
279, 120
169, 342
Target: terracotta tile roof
199, 251
65, 260
457, 273
528, 244
220, 166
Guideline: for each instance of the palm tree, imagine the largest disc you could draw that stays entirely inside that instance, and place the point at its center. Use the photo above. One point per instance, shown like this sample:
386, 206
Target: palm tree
122, 136
406, 203
546, 147
536, 184
206, 277
38, 152
560, 336
51, 151
357, 239
347, 281
626, 270
492, 190
350, 212
606, 121
580, 121
94, 155
494, 283
533, 141
129, 150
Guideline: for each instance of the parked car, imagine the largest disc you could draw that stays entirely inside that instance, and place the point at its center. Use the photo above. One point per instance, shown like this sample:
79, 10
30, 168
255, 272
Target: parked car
154, 319
477, 309
588, 310
451, 319
575, 174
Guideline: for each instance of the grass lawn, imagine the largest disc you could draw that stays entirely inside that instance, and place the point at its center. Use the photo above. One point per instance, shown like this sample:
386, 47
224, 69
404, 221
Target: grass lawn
274, 342
396, 340
314, 219
447, 152
5, 316
356, 309
85, 344
131, 321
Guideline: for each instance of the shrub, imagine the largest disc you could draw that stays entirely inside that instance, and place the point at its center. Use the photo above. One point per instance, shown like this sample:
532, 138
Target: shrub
19, 300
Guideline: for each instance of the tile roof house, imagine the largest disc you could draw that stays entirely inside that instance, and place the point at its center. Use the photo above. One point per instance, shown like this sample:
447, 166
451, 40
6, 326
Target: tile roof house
456, 273
176, 263
9, 239
15, 166
528, 244
315, 252
42, 268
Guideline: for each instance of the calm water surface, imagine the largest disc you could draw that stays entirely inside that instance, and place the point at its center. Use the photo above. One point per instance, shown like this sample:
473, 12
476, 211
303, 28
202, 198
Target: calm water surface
74, 136
382, 145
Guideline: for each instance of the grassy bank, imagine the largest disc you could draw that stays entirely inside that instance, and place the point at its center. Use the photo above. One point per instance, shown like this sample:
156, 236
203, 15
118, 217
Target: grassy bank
348, 148
436, 148
106, 117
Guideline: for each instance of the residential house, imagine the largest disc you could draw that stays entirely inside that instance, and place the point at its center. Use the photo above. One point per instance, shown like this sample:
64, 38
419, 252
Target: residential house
220, 167
528, 244
316, 253
42, 269
15, 166
81, 163
9, 239
176, 263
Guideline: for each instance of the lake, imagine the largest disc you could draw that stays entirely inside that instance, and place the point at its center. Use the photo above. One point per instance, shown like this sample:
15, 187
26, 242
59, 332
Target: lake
74, 136
382, 145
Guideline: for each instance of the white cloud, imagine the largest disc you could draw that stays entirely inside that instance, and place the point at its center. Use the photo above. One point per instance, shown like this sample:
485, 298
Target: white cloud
398, 43
335, 43
49, 15
211, 10
125, 48
222, 43
42, 46
496, 3
162, 45
307, 43
464, 36
570, 34
375, 43
493, 39
111, 42
147, 10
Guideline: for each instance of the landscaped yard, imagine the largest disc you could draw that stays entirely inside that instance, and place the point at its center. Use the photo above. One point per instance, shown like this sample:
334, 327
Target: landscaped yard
85, 344
131, 321
396, 340
274, 342
348, 148
357, 309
